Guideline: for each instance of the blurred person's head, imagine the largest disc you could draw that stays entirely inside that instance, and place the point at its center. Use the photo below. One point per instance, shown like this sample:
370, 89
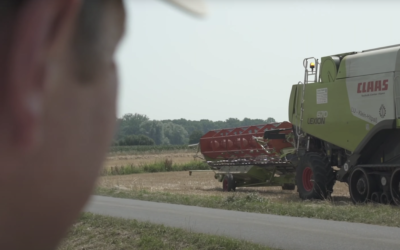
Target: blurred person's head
57, 112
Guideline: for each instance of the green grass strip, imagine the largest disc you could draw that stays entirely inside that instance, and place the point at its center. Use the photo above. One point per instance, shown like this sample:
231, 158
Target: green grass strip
165, 166
107, 233
376, 214
150, 149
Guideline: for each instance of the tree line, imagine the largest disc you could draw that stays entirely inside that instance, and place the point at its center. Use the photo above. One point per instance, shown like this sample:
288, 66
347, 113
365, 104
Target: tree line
138, 129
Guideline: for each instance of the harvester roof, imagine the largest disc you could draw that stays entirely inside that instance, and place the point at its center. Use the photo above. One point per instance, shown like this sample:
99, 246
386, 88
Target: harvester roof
370, 62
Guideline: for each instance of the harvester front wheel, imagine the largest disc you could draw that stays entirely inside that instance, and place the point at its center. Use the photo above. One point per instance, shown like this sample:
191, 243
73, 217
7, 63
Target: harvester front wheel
228, 184
314, 177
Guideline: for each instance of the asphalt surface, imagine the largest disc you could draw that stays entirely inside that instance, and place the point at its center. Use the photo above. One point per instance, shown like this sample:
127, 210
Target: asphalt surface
271, 230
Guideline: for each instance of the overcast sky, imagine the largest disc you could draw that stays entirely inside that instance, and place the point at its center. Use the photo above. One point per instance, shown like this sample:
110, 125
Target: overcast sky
242, 59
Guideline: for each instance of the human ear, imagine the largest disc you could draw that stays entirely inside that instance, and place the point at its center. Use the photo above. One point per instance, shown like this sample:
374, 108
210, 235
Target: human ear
40, 28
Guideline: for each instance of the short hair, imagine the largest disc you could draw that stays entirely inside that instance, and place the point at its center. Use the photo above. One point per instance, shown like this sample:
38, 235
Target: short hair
86, 37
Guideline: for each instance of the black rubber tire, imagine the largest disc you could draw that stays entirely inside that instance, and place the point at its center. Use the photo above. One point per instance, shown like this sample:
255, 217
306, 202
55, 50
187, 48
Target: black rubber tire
228, 184
395, 186
385, 199
323, 177
375, 197
362, 185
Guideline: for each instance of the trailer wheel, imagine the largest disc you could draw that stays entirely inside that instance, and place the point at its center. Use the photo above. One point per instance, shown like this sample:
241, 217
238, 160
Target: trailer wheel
314, 177
228, 183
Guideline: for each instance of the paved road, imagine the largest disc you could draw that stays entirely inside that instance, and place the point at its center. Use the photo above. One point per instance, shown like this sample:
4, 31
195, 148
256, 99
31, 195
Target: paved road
271, 230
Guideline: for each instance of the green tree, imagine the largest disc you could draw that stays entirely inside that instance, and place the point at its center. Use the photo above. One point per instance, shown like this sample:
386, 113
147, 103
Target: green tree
176, 134
270, 120
195, 136
144, 140
135, 140
128, 140
176, 131
189, 125
232, 123
207, 125
129, 124
154, 130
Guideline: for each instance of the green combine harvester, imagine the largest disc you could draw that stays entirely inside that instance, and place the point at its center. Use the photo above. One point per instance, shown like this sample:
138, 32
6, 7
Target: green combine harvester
344, 126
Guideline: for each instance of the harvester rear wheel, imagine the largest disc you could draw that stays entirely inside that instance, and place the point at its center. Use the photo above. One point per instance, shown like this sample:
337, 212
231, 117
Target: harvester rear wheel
395, 186
228, 184
375, 197
361, 186
314, 177
385, 198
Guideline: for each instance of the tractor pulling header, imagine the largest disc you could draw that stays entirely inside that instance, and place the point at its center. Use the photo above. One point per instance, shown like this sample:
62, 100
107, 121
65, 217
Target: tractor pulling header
344, 126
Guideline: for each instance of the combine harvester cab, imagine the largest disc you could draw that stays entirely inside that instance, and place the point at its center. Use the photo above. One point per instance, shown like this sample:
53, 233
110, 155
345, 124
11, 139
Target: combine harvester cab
251, 156
347, 125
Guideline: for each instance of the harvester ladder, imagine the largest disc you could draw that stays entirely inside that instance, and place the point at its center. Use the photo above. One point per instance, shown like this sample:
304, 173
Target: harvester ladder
307, 74
300, 120
313, 73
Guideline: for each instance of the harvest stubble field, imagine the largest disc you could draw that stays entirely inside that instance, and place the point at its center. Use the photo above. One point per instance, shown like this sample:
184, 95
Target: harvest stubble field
147, 158
203, 184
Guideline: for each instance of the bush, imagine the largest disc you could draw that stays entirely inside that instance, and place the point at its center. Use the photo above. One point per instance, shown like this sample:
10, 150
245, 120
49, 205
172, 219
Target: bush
168, 164
136, 140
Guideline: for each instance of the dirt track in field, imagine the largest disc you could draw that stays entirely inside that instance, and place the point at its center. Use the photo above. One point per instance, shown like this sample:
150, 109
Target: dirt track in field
202, 184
